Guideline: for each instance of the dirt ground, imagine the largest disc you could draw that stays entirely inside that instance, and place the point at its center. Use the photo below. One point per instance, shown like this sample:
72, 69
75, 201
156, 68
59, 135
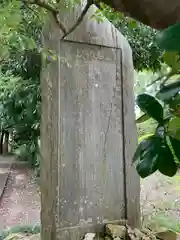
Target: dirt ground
20, 204
160, 201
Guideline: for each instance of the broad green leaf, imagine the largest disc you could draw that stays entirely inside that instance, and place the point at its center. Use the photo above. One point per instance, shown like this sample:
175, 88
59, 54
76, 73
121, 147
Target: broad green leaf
143, 146
172, 59
174, 128
174, 105
168, 91
176, 146
151, 144
142, 118
141, 138
165, 161
151, 106
147, 165
169, 39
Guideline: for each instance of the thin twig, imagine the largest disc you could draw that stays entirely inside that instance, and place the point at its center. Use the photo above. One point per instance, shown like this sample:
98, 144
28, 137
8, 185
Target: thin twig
51, 9
55, 13
42, 4
156, 80
79, 20
167, 77
161, 77
59, 23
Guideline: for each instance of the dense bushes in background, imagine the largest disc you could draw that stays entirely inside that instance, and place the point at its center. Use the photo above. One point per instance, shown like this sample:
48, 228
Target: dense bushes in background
20, 64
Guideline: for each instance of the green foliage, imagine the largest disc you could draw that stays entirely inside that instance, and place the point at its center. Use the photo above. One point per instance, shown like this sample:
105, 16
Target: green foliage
21, 36
140, 139
175, 146
146, 128
168, 92
169, 38
161, 220
174, 127
20, 229
150, 106
20, 98
165, 161
20, 111
146, 150
143, 118
22, 18
146, 54
19, 24
172, 59
154, 152
162, 154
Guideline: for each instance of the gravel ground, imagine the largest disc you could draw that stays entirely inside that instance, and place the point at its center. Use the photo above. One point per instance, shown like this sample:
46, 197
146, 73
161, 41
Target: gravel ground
20, 204
160, 200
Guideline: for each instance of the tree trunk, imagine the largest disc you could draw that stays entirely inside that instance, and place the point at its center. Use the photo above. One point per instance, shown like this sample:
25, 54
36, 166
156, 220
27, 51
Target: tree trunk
1, 142
158, 14
6, 142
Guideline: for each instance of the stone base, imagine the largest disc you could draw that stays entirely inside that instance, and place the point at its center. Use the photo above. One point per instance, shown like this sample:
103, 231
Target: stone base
79, 232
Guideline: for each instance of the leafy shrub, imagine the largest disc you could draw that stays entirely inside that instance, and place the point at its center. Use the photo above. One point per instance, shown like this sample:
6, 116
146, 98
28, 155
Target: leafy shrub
20, 229
161, 151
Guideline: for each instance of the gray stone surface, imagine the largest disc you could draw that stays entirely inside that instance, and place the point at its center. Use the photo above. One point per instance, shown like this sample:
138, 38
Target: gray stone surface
88, 131
5, 168
4, 173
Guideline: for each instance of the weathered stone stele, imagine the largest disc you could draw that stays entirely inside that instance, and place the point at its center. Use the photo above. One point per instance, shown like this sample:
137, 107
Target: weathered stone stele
88, 133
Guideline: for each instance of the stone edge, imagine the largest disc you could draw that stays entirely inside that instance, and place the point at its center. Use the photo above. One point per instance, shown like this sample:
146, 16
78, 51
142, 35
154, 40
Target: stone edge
3, 185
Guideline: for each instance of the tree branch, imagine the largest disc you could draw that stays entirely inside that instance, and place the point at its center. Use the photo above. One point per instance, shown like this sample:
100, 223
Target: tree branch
42, 4
166, 77
59, 23
79, 20
51, 9
156, 80
157, 14
55, 13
